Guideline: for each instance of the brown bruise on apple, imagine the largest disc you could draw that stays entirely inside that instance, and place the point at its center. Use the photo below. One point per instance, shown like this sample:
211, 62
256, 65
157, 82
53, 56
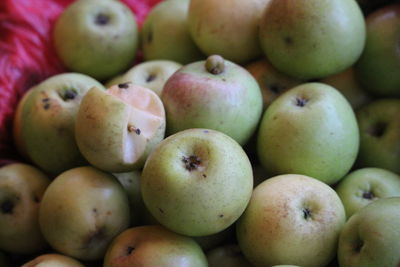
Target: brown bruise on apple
146, 116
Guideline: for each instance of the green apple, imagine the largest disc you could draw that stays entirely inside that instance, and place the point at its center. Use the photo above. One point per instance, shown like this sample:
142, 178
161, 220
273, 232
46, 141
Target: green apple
153, 246
82, 210
228, 255
272, 82
96, 37
380, 134
291, 219
53, 260
214, 94
117, 128
21, 189
229, 30
197, 182
347, 83
371, 237
45, 121
378, 67
362, 186
165, 33
312, 39
310, 130
151, 74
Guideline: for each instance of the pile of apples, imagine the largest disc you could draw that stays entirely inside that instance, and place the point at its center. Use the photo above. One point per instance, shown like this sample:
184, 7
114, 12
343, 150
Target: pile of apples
252, 133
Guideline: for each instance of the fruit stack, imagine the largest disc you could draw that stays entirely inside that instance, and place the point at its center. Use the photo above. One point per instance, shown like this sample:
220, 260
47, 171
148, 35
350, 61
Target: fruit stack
215, 133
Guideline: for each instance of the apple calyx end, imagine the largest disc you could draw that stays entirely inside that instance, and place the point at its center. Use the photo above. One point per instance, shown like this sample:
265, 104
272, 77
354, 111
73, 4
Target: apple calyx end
102, 19
191, 163
124, 85
306, 213
215, 64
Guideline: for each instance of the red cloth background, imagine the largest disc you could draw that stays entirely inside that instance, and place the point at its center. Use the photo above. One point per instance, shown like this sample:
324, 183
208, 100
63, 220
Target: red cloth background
27, 56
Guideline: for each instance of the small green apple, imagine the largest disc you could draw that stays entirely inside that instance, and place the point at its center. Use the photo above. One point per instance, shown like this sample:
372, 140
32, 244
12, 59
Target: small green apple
117, 128
380, 134
214, 94
153, 246
96, 37
227, 29
45, 121
21, 189
197, 182
362, 186
53, 260
165, 33
311, 130
378, 67
371, 237
82, 210
228, 255
312, 39
291, 219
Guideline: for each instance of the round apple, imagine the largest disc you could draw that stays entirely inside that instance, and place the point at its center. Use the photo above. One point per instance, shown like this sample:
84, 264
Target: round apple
197, 182
227, 255
53, 259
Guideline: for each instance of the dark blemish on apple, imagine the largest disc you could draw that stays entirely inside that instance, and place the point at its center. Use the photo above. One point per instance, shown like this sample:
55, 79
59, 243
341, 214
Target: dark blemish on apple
161, 210
221, 215
36, 199
129, 250
149, 38
274, 117
150, 78
46, 103
134, 129
288, 40
205, 176
223, 79
206, 131
377, 129
94, 210
306, 213
300, 102
358, 245
124, 85
7, 207
102, 19
191, 163
368, 195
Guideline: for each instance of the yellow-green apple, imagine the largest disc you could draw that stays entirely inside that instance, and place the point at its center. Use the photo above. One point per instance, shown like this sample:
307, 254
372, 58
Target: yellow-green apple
362, 186
153, 246
312, 39
96, 37
53, 260
117, 128
228, 255
165, 33
214, 94
378, 67
371, 237
291, 219
311, 130
347, 83
380, 134
272, 82
152, 74
197, 182
45, 121
228, 29
82, 210
21, 189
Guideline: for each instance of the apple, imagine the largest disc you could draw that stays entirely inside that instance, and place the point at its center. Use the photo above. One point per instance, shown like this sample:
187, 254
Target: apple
371, 237
227, 29
153, 246
165, 33
81, 212
21, 189
291, 219
272, 82
346, 83
209, 242
99, 38
214, 94
380, 134
197, 182
377, 68
53, 259
310, 130
117, 128
228, 255
152, 74
311, 39
45, 120
363, 186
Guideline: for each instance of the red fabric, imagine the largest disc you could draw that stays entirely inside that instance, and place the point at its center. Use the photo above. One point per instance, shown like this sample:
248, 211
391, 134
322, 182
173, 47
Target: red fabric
27, 56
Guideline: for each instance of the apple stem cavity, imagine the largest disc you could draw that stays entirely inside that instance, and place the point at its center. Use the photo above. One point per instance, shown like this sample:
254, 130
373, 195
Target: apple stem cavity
102, 19
150, 78
129, 250
368, 195
215, 64
191, 163
307, 213
7, 207
300, 101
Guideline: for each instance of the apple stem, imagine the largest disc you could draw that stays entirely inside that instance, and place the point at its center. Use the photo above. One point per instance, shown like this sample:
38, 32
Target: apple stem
215, 64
